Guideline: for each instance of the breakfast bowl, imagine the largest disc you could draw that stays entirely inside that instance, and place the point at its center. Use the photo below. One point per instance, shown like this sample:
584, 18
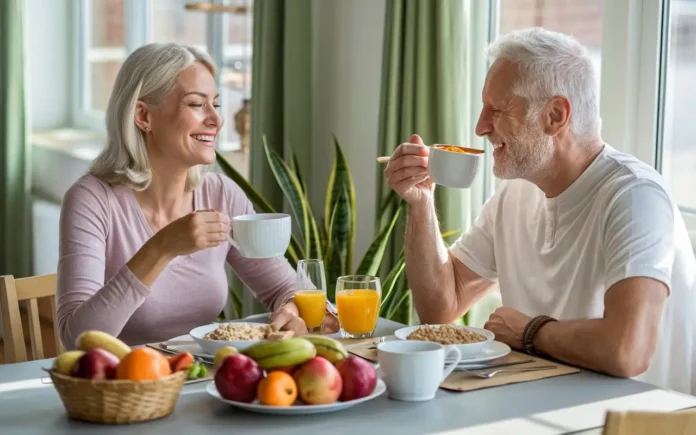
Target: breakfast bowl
468, 340
454, 166
239, 335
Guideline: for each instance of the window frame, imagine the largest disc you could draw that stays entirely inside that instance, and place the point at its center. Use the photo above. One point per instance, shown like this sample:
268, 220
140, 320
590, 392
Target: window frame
138, 31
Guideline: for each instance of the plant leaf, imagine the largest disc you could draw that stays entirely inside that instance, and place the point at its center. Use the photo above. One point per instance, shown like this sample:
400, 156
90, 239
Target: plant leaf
373, 257
295, 167
390, 283
293, 192
338, 238
333, 261
251, 193
317, 241
339, 181
398, 306
294, 252
235, 297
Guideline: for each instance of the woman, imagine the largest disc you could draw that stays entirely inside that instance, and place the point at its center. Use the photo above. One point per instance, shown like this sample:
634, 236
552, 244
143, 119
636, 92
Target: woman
143, 236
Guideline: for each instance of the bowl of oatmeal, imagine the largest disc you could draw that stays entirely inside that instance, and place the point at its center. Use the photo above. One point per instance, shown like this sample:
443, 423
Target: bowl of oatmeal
469, 340
237, 334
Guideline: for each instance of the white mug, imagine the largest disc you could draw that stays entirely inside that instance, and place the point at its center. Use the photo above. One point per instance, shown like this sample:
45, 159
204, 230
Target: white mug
261, 235
413, 370
453, 169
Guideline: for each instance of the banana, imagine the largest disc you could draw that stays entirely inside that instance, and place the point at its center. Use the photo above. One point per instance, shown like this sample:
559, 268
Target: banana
91, 339
66, 361
273, 354
327, 347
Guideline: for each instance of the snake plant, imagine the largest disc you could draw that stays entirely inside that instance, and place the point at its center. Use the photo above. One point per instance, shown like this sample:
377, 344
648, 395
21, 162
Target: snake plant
333, 238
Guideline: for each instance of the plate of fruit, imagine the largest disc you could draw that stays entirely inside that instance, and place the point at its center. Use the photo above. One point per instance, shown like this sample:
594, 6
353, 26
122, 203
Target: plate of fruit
311, 374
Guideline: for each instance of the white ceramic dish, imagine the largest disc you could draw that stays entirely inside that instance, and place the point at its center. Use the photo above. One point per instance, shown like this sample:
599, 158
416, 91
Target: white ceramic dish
494, 350
466, 349
211, 346
298, 409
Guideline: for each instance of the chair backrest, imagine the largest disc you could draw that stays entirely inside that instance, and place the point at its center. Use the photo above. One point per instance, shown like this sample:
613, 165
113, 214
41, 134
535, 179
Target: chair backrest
649, 423
12, 292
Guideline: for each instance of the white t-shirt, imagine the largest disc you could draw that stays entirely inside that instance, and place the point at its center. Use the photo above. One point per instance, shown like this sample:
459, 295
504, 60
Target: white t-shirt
558, 256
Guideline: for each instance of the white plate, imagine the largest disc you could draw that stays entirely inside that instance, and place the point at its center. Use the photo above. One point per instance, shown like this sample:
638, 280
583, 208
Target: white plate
297, 409
466, 349
211, 346
494, 350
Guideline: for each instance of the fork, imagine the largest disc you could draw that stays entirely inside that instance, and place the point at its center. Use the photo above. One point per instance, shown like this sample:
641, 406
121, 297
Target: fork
488, 375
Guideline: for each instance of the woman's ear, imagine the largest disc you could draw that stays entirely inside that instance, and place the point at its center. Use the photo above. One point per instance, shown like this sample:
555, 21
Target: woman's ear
142, 116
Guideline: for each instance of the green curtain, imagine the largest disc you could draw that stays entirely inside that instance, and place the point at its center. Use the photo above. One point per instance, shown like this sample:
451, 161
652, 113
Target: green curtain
424, 70
281, 95
15, 240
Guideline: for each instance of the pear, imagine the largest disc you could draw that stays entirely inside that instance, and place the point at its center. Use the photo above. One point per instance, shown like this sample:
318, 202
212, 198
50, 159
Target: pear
66, 361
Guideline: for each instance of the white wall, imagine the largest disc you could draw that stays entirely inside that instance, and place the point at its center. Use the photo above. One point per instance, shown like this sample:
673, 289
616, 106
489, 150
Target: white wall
47, 48
347, 70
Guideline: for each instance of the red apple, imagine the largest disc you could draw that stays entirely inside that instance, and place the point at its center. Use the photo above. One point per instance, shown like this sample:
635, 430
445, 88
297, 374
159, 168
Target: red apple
237, 378
97, 364
318, 382
359, 378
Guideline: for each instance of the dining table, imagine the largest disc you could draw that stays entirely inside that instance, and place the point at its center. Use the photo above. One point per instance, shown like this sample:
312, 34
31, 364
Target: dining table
575, 403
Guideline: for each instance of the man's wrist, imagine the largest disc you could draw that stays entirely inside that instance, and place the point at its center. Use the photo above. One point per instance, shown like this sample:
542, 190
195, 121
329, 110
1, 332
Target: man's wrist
531, 342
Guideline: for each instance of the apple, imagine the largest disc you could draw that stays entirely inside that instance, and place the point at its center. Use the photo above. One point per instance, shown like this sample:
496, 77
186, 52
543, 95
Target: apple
237, 378
96, 364
359, 378
318, 382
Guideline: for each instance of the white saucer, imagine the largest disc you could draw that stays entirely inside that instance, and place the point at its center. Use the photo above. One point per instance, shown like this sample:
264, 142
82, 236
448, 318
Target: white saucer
494, 350
298, 409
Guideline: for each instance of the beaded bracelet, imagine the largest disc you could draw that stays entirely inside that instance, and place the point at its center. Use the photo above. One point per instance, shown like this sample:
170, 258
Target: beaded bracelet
531, 330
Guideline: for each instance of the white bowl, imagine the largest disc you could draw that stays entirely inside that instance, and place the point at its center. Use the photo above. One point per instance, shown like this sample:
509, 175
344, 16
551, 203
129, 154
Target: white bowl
466, 349
212, 346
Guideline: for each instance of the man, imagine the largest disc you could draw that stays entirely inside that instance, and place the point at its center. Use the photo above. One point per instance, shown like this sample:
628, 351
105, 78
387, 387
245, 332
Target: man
578, 231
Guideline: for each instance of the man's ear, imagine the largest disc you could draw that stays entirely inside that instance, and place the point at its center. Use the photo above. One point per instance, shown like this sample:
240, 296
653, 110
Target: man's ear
142, 116
557, 115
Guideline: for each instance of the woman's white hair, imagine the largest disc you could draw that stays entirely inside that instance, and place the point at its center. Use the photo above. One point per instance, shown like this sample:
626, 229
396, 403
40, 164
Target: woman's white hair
553, 64
149, 74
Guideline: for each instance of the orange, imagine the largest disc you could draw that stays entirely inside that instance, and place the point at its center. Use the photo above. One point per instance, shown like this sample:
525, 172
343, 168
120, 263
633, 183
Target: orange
277, 389
143, 363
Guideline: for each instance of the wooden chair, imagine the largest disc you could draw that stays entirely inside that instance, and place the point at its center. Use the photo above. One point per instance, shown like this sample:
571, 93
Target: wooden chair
32, 289
649, 423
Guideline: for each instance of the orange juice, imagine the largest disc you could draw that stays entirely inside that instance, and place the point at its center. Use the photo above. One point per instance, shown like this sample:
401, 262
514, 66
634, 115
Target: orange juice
312, 306
358, 310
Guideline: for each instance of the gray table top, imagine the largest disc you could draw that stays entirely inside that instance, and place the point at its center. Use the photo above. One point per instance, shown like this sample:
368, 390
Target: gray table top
39, 410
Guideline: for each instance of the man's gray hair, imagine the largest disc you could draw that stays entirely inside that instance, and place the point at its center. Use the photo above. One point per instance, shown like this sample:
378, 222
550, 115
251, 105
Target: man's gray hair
553, 64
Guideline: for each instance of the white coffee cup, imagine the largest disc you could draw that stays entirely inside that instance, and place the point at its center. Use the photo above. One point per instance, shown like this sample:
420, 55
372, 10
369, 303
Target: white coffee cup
413, 370
453, 169
261, 235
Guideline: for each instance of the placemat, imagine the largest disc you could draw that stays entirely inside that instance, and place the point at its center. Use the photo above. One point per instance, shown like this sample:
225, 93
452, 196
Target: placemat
463, 381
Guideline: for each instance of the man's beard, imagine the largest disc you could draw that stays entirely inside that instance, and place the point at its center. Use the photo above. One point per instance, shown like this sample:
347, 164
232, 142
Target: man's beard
527, 155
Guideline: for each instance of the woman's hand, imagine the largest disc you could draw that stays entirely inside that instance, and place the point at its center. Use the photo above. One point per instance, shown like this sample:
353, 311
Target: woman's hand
194, 232
287, 318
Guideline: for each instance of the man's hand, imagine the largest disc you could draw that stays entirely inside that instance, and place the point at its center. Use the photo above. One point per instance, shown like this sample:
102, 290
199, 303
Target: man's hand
508, 326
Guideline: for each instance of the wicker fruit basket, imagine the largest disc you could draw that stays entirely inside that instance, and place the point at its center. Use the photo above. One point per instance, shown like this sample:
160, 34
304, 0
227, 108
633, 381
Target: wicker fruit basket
118, 401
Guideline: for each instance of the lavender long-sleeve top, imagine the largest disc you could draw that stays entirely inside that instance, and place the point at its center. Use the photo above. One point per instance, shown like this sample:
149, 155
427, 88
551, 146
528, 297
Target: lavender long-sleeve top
102, 227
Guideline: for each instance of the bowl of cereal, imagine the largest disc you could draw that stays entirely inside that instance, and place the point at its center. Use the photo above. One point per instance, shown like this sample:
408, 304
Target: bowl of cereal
467, 339
239, 335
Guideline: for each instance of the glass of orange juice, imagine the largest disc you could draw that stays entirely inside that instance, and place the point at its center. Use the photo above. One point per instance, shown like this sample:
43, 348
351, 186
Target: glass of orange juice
310, 293
357, 301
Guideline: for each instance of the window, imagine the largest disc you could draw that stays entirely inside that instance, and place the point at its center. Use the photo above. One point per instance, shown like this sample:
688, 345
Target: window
109, 30
580, 18
678, 114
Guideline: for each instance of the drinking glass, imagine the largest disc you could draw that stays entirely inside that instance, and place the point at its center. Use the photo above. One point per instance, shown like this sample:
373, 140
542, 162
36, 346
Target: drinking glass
310, 293
357, 301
